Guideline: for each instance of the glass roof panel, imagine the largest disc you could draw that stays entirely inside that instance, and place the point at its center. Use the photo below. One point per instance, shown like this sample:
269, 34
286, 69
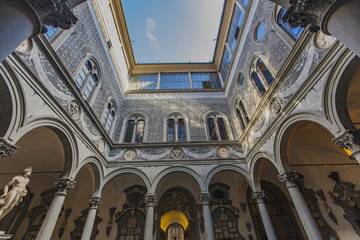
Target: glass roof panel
173, 31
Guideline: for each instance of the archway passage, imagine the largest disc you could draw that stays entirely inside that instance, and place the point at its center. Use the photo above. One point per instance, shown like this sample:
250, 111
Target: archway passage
180, 201
229, 209
123, 208
45, 150
327, 179
6, 107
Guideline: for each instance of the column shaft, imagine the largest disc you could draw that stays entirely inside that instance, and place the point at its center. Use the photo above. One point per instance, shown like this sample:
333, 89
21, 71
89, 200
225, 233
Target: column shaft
51, 218
209, 229
269, 229
148, 232
305, 216
86, 234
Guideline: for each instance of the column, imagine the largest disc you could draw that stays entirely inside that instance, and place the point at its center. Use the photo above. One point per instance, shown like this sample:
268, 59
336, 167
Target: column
6, 149
209, 228
22, 19
290, 178
94, 202
52, 215
150, 200
348, 140
269, 229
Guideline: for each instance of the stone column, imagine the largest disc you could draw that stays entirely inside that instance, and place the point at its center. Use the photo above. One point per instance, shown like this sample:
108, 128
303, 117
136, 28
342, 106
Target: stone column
150, 202
209, 228
348, 140
6, 149
290, 178
52, 215
21, 19
269, 229
89, 224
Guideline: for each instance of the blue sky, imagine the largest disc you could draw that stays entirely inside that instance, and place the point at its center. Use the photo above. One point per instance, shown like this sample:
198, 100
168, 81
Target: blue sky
173, 30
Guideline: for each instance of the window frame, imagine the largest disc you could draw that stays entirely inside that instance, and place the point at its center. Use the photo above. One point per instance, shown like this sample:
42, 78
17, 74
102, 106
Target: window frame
215, 116
176, 117
136, 118
105, 117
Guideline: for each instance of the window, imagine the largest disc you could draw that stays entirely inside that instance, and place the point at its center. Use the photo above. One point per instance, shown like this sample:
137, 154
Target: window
86, 79
51, 31
241, 114
233, 35
261, 76
205, 80
240, 79
174, 81
225, 63
108, 116
282, 20
175, 232
135, 127
143, 81
259, 31
216, 126
176, 128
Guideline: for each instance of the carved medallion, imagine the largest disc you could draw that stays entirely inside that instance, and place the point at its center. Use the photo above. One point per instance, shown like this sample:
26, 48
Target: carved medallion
324, 41
129, 154
25, 46
223, 152
101, 145
74, 110
177, 153
275, 106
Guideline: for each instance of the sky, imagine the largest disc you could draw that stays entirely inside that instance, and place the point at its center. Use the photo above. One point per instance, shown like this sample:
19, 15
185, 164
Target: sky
173, 31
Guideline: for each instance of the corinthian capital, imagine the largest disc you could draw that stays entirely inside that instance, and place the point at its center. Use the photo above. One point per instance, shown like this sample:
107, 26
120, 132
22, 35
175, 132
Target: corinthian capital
205, 197
302, 13
150, 199
56, 13
258, 195
6, 149
94, 202
64, 184
289, 177
348, 140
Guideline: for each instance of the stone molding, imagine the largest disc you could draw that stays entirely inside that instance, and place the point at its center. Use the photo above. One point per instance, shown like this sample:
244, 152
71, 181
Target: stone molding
205, 198
64, 184
6, 149
94, 202
258, 195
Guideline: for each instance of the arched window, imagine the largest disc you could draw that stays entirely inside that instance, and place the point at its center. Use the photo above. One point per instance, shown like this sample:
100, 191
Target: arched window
176, 129
282, 20
87, 78
241, 114
217, 127
135, 127
261, 76
108, 116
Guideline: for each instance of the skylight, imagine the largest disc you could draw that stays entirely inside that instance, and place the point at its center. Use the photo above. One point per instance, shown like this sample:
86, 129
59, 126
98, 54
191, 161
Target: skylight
169, 31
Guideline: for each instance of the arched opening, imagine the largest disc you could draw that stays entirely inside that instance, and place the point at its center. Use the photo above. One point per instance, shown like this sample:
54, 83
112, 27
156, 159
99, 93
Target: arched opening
177, 192
283, 217
230, 221
123, 208
6, 107
47, 151
327, 178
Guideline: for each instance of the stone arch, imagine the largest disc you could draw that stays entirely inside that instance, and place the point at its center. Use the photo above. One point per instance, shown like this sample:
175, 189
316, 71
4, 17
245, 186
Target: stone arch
289, 123
255, 167
65, 134
118, 172
243, 172
336, 93
97, 171
12, 113
175, 169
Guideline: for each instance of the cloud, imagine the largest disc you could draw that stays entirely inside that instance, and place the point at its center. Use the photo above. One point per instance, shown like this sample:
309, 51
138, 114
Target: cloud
150, 30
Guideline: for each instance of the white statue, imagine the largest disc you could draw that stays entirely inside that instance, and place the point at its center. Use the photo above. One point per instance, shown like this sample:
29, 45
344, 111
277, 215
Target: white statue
14, 192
